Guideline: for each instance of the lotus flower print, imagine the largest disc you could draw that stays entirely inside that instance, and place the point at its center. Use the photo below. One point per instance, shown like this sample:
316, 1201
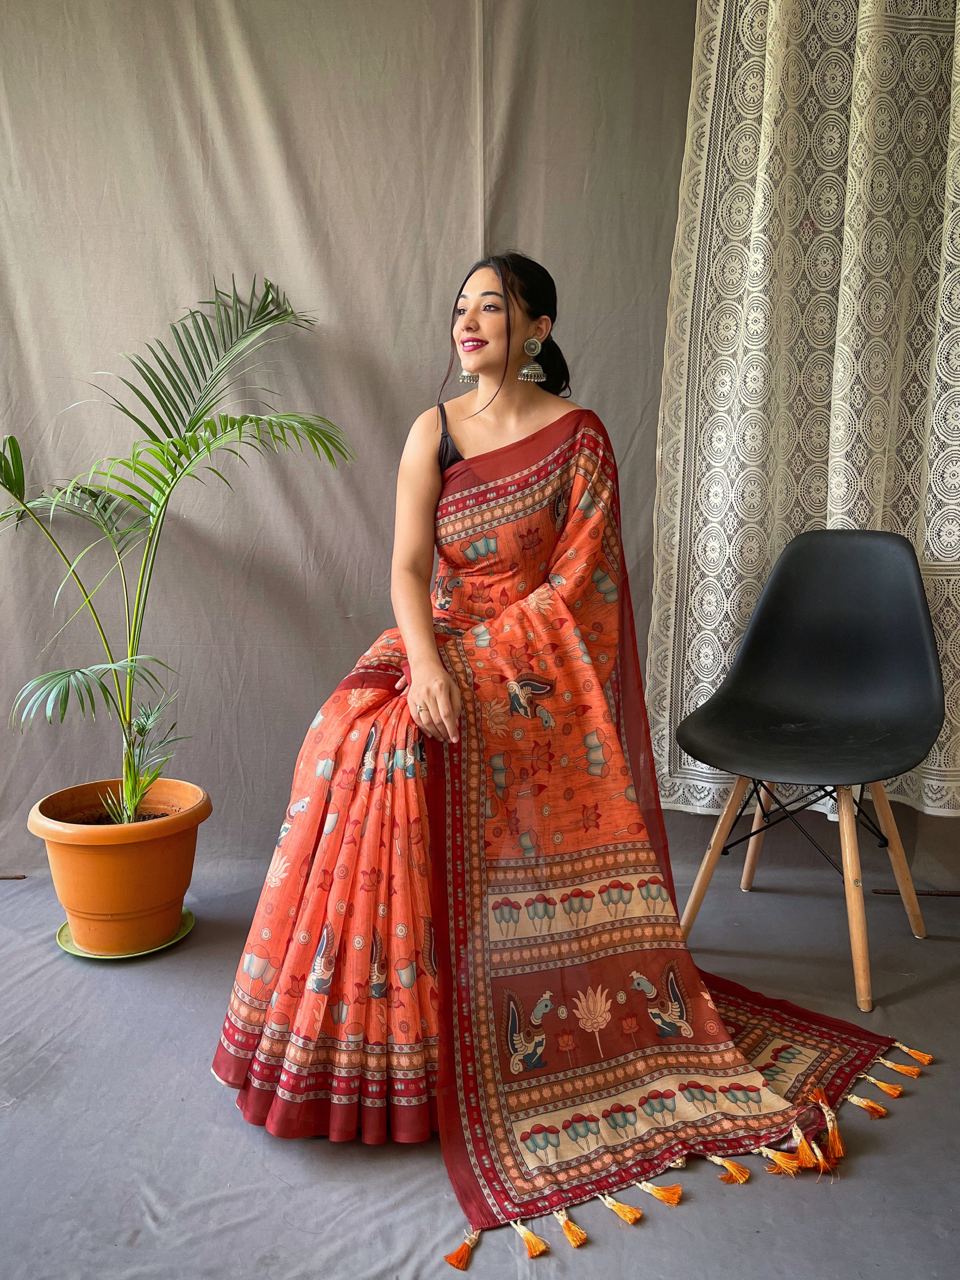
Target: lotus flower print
593, 1011
277, 871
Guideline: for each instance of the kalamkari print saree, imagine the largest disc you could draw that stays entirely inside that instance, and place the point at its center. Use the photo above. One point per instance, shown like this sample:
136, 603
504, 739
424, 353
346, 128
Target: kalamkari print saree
480, 938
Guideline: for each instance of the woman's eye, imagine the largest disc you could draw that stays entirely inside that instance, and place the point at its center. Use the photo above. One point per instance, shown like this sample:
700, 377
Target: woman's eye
460, 310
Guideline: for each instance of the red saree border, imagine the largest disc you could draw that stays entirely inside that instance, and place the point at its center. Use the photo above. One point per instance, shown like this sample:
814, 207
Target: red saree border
443, 779
483, 467
639, 747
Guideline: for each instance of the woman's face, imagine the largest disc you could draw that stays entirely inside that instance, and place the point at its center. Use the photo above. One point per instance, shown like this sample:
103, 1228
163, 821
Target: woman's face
481, 315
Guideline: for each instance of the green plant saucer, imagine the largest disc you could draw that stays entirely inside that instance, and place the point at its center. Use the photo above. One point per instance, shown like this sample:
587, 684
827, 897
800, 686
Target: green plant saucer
66, 942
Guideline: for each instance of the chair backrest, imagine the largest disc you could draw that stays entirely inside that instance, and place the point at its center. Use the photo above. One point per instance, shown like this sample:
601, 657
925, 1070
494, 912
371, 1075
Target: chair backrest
842, 626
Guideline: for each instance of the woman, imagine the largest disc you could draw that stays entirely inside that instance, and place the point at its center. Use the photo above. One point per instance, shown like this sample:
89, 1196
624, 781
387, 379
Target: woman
469, 923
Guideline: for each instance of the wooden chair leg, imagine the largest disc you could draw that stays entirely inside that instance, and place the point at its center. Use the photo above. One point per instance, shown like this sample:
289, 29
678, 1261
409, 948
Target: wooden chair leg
853, 887
898, 859
710, 858
755, 843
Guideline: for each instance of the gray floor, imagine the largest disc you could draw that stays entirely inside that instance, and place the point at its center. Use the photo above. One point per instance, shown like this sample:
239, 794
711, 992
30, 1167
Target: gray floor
123, 1157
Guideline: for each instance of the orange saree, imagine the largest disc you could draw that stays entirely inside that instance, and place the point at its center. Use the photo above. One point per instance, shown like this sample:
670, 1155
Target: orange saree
480, 938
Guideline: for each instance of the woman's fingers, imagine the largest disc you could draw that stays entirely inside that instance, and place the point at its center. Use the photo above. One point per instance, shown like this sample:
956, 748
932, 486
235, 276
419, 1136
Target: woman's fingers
427, 721
445, 712
438, 719
436, 715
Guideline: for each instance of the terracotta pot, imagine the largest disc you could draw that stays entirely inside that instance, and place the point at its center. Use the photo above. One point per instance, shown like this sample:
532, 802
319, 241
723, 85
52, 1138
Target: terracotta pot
121, 884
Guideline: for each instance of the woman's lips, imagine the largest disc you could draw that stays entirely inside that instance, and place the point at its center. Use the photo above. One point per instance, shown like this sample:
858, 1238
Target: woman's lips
473, 344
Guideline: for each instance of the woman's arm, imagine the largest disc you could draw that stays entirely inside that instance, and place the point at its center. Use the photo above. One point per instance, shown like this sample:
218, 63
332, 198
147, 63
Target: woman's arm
418, 488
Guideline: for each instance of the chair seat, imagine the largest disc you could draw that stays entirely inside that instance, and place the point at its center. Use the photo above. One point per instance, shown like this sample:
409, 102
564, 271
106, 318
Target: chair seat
757, 741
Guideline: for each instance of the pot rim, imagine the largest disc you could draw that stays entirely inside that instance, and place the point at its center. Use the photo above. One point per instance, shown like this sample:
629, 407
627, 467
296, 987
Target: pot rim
197, 807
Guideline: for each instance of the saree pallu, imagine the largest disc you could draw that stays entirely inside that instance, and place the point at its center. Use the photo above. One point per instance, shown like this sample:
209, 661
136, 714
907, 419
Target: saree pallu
481, 937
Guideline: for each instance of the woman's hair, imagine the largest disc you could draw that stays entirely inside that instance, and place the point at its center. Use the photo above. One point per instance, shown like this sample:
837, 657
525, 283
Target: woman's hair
532, 288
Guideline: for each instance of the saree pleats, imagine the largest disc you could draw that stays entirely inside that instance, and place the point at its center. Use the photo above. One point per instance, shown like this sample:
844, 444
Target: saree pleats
331, 1028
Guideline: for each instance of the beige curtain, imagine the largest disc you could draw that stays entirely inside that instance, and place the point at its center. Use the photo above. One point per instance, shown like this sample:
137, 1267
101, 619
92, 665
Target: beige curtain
361, 155
812, 360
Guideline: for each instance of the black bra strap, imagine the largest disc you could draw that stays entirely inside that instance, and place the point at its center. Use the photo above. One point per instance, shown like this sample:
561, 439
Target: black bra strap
443, 418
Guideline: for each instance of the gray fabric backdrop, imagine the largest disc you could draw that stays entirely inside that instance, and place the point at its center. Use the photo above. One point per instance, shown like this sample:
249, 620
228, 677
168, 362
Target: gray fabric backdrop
360, 155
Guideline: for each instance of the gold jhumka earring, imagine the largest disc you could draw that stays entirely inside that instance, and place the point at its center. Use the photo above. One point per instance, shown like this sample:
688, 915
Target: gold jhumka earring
532, 371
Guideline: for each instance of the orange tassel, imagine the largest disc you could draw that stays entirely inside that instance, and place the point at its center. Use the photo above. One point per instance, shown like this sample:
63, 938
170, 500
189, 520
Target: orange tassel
735, 1173
460, 1258
783, 1162
835, 1148
823, 1164
905, 1070
628, 1212
535, 1246
805, 1157
576, 1235
894, 1090
925, 1058
875, 1109
669, 1195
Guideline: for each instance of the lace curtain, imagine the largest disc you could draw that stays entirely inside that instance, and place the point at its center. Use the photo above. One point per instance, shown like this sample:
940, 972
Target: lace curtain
812, 362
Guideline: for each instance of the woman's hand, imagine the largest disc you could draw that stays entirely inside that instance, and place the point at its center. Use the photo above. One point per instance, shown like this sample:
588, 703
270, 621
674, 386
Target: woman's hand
438, 695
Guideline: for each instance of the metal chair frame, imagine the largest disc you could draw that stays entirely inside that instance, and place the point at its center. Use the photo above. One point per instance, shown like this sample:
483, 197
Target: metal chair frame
818, 793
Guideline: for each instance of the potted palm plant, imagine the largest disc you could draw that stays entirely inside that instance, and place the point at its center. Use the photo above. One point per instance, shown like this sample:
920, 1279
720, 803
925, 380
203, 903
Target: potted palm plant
121, 849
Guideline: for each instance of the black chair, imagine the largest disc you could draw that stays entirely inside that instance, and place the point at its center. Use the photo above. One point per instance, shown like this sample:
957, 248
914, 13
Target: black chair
836, 683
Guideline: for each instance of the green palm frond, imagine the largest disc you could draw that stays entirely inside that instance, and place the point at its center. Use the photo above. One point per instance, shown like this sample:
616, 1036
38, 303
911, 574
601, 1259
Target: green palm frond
53, 690
148, 476
108, 512
114, 516
147, 721
143, 761
12, 478
181, 390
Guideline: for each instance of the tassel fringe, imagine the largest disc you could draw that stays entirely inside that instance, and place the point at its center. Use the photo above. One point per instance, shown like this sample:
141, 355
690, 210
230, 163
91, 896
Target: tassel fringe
893, 1090
668, 1195
535, 1244
835, 1148
809, 1155
875, 1109
576, 1235
736, 1174
805, 1157
783, 1161
925, 1058
904, 1069
628, 1212
460, 1258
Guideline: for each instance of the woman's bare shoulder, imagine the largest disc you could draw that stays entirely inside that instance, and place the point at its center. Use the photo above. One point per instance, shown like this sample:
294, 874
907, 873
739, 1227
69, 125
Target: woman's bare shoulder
560, 404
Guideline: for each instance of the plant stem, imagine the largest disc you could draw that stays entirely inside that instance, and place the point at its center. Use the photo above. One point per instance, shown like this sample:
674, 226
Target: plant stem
143, 589
76, 577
